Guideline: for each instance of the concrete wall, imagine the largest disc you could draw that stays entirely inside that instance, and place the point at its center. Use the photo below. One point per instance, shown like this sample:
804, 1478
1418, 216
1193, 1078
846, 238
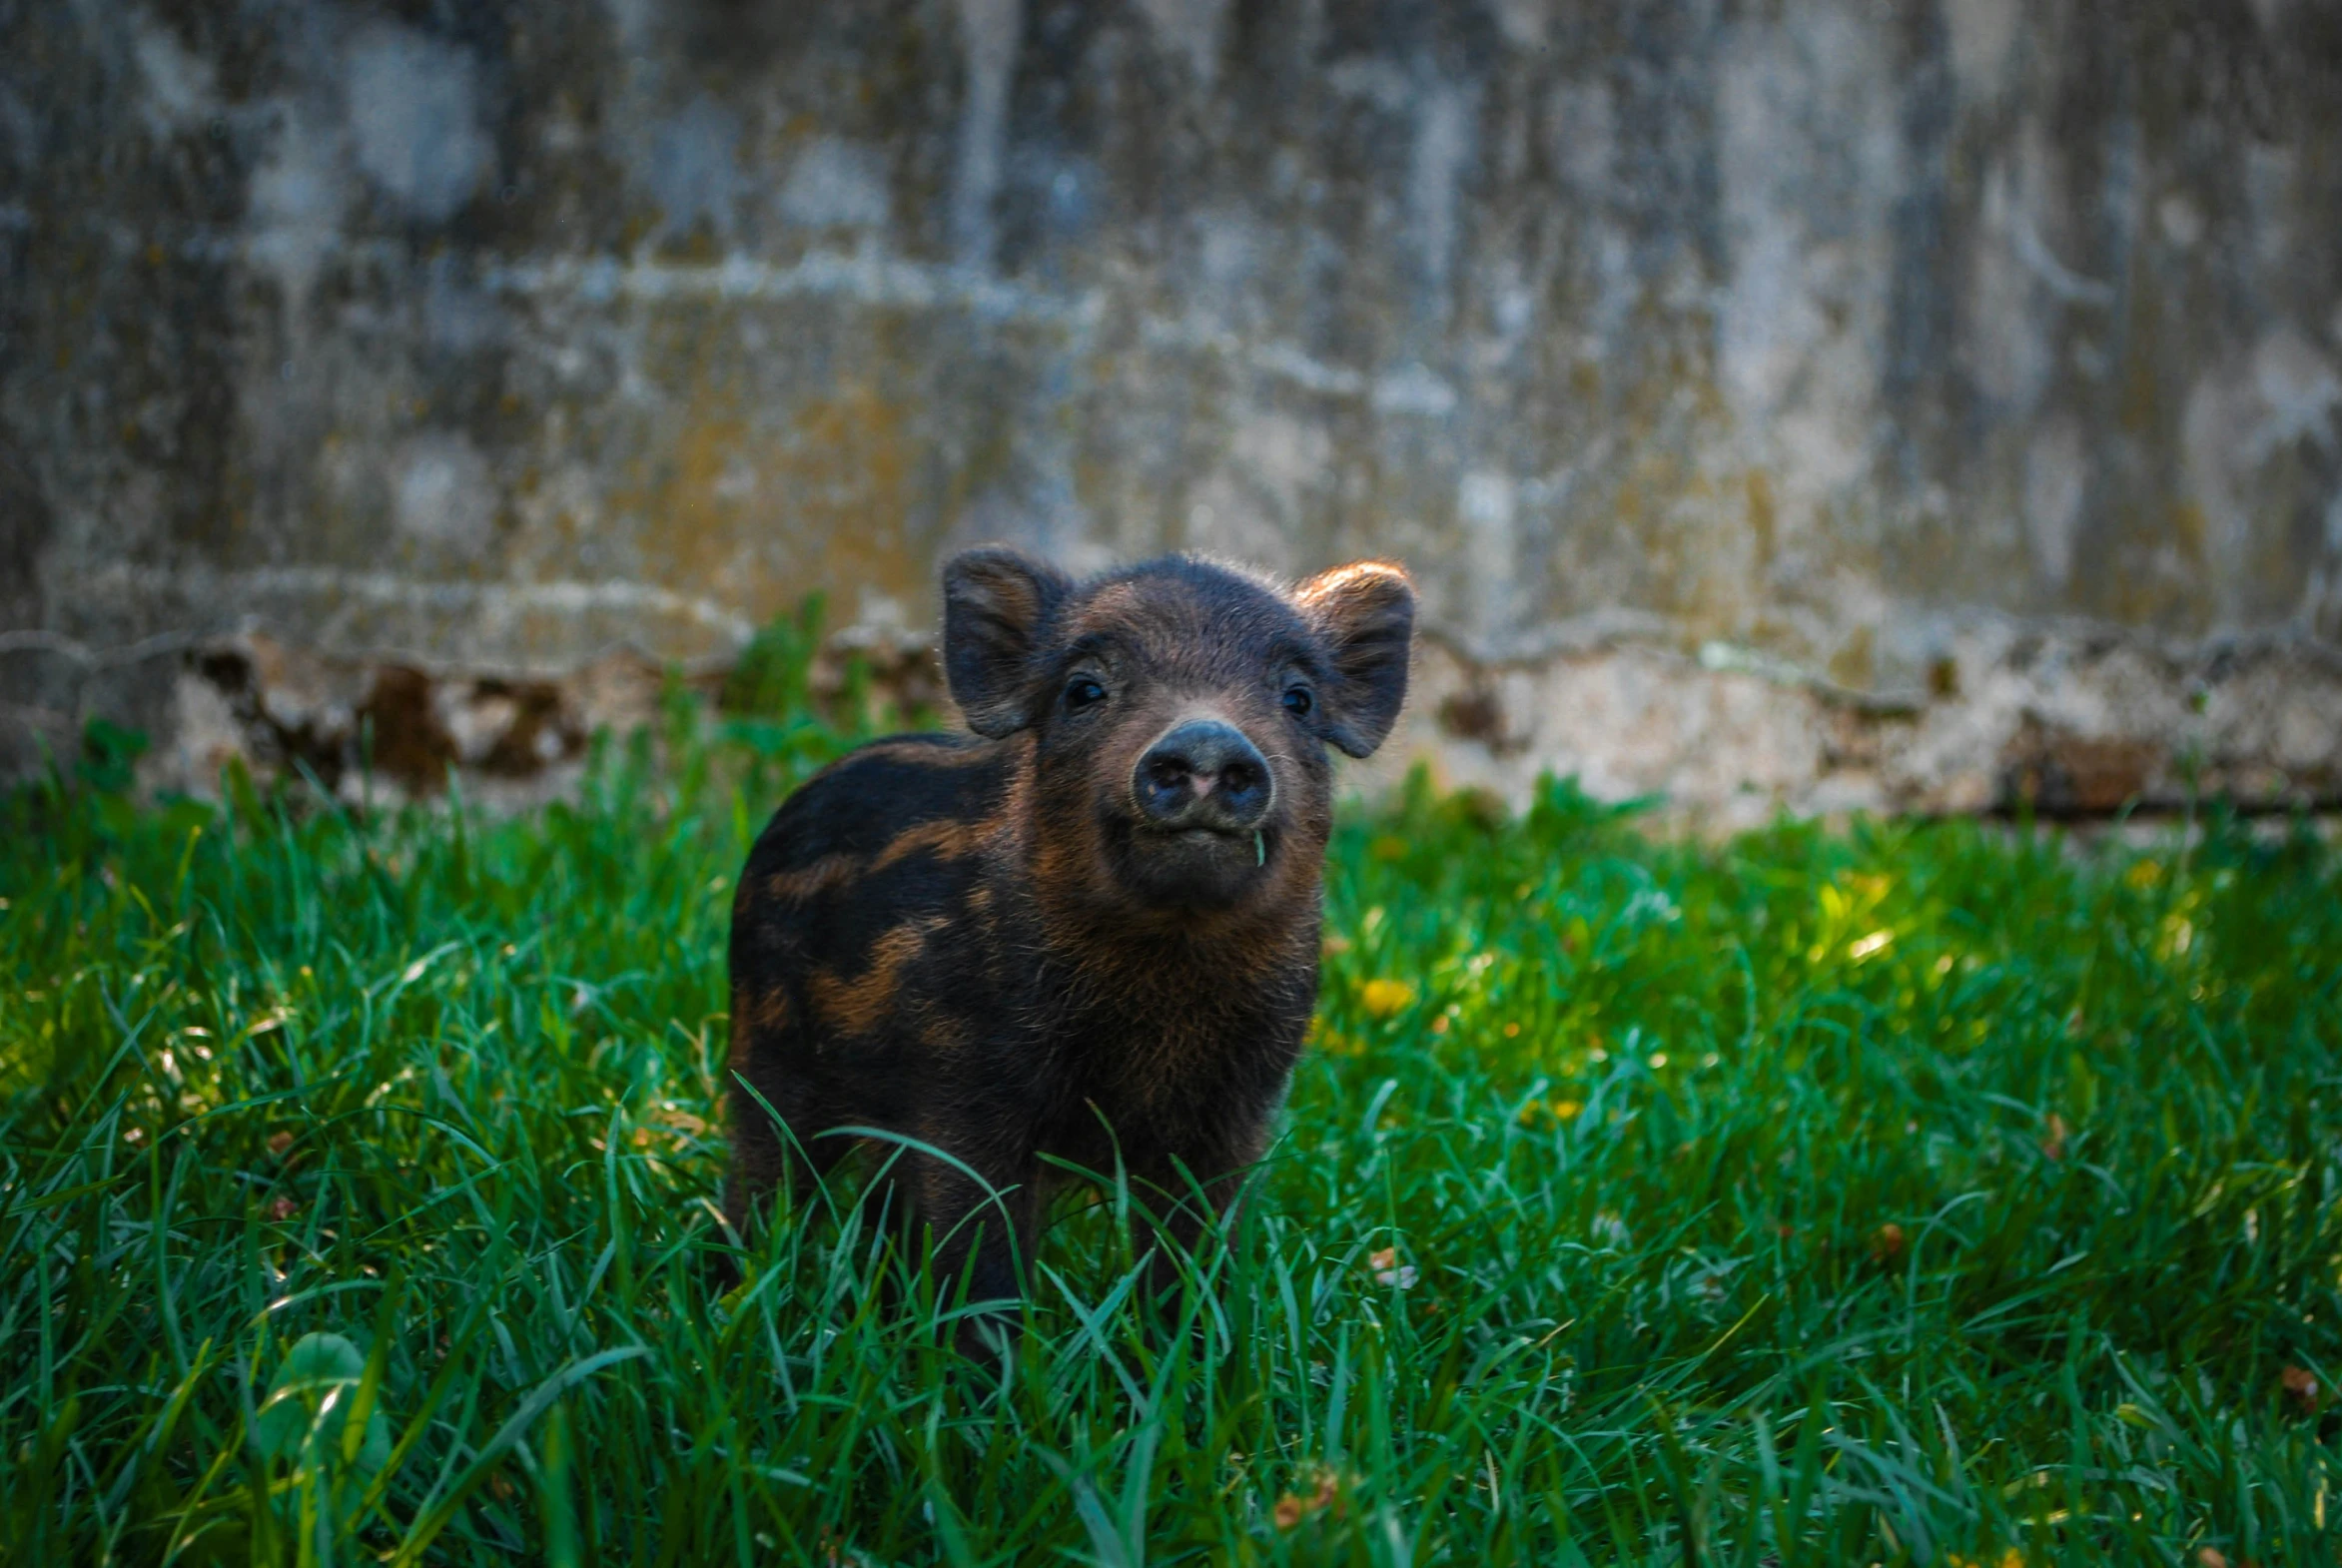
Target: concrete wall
1849, 403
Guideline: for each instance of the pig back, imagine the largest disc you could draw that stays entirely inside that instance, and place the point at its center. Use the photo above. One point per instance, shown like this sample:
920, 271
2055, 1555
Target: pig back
866, 933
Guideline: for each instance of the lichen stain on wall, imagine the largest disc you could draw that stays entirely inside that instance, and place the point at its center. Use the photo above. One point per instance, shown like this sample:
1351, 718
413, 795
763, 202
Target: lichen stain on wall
819, 502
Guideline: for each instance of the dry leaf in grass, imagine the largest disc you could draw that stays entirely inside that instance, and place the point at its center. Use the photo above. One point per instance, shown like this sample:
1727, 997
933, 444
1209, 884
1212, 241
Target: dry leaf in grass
2302, 1384
279, 1142
1886, 1242
2053, 1136
283, 1208
1291, 1508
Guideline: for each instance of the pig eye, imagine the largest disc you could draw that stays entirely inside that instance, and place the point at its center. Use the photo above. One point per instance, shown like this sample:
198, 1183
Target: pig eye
1298, 702
1083, 692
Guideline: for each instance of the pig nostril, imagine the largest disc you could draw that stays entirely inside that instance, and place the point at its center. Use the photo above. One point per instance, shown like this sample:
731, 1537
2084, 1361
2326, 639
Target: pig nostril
1165, 786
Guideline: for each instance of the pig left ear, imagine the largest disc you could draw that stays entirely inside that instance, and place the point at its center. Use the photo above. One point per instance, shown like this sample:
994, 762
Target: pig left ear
1365, 611
995, 604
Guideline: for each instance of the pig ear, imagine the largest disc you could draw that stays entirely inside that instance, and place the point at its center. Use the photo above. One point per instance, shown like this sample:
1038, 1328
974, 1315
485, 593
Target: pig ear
1365, 611
995, 603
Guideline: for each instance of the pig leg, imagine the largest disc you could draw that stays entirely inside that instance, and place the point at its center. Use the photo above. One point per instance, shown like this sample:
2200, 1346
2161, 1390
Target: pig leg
766, 1152
981, 1229
1168, 1185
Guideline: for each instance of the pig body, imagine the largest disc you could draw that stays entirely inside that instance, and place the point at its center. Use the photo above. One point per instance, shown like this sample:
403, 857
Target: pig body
1088, 931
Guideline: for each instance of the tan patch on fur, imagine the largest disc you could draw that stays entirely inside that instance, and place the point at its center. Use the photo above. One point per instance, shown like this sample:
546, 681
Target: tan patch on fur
1113, 608
824, 874
948, 839
1015, 812
752, 1016
769, 1011
856, 1004
925, 753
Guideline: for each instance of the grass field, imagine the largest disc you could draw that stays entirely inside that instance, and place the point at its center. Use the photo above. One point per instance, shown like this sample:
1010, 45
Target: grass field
1915, 1194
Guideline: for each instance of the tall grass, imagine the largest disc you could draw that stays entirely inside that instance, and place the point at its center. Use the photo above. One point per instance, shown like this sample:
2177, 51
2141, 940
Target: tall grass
1916, 1193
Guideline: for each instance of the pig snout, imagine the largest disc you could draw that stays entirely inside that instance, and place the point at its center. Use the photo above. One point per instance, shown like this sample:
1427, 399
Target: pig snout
1205, 775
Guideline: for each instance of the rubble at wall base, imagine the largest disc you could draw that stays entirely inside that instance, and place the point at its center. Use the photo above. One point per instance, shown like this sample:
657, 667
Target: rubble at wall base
2077, 724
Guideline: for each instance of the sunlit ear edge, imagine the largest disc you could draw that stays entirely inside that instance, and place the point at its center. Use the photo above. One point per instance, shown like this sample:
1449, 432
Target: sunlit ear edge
1365, 610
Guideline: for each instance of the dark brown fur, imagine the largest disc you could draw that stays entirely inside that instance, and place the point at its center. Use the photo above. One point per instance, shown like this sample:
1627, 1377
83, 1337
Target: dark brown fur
993, 945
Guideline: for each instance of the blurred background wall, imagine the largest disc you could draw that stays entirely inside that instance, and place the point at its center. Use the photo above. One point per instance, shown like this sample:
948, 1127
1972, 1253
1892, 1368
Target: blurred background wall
1927, 405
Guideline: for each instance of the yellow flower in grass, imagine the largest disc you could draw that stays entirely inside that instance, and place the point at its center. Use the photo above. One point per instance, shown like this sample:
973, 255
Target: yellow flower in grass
1551, 1112
1384, 999
1332, 1041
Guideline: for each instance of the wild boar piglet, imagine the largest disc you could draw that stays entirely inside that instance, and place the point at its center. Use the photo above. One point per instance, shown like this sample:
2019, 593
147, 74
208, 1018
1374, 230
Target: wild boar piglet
1087, 930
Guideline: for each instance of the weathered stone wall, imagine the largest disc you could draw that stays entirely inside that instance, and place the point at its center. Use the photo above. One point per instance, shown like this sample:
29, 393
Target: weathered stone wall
1838, 403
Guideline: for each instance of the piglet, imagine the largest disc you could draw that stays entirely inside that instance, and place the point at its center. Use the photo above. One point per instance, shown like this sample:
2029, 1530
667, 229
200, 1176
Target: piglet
1090, 928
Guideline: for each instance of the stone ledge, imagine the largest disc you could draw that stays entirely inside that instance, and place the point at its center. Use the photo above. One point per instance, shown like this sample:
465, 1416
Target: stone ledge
2075, 725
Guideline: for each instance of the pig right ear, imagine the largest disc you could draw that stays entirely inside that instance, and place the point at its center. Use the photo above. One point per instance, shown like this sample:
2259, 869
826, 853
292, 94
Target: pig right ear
1366, 613
996, 602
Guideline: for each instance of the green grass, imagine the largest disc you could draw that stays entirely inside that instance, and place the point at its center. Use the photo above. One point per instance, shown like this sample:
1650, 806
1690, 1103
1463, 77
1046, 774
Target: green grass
1915, 1194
